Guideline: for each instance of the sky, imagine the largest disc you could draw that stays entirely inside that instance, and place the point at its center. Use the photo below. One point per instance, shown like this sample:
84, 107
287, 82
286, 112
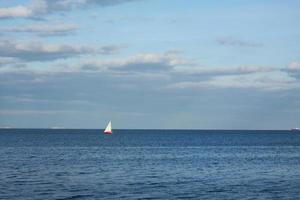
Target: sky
162, 64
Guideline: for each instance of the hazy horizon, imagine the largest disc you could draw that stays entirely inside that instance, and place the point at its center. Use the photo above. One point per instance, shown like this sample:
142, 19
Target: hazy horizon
150, 64
158, 129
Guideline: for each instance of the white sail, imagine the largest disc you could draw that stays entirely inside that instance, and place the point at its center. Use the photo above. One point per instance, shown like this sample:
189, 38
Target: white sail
108, 128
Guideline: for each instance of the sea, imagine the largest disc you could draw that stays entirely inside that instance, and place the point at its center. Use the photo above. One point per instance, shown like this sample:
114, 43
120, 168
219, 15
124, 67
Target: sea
40, 164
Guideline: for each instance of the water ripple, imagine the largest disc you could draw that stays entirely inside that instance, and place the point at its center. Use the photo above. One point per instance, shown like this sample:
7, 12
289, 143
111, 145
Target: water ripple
146, 165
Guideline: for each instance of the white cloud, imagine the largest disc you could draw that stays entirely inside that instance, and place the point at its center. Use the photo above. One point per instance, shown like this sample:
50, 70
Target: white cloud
43, 30
146, 66
270, 81
196, 69
294, 66
38, 51
18, 11
37, 8
145, 62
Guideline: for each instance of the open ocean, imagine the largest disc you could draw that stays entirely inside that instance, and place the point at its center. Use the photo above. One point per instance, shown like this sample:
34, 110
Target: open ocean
149, 164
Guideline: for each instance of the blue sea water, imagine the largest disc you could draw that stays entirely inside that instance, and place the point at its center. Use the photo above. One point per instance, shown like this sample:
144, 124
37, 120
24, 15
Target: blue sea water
149, 164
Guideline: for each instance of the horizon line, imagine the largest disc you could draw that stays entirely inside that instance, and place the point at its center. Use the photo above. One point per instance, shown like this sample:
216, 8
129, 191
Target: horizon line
191, 129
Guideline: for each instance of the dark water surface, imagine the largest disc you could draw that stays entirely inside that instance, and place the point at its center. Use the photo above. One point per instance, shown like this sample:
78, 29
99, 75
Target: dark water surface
149, 164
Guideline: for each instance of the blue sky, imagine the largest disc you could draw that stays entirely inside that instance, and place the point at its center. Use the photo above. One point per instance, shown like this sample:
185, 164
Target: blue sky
150, 64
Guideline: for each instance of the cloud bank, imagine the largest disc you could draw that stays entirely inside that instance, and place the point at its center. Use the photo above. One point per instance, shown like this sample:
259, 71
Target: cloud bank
38, 8
14, 12
294, 66
179, 73
38, 51
271, 81
143, 62
43, 29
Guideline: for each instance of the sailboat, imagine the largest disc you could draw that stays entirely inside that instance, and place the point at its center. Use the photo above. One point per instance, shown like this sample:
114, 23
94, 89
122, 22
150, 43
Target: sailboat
108, 129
